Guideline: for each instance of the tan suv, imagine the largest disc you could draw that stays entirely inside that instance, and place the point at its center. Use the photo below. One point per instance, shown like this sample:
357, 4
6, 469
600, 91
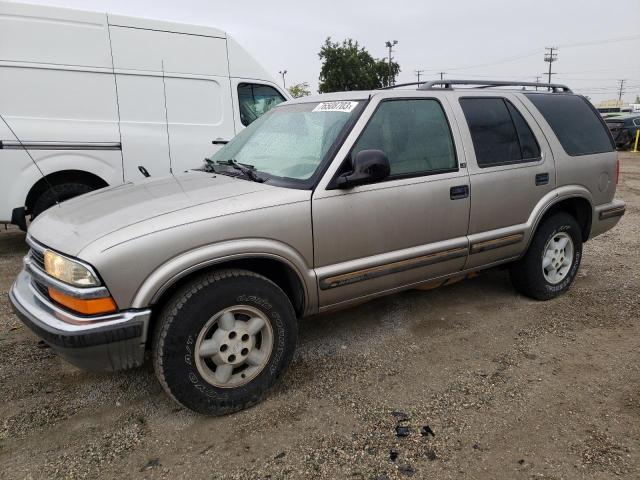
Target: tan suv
322, 203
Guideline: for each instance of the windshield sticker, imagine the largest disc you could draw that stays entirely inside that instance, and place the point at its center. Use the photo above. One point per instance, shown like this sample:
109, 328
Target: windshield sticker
335, 107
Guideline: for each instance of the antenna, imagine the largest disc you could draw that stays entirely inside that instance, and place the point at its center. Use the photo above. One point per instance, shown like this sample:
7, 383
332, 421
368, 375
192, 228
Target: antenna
55, 195
166, 118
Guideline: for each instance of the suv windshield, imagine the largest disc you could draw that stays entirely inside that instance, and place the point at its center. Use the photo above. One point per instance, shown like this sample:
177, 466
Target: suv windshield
290, 141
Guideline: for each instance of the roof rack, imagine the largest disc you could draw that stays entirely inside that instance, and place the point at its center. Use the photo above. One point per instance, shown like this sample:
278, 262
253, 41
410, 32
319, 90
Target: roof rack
408, 84
448, 84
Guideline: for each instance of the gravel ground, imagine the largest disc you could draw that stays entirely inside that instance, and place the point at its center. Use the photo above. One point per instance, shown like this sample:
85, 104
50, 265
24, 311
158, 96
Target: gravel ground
510, 388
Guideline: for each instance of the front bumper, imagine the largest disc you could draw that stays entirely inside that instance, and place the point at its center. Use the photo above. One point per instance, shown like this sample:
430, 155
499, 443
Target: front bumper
106, 343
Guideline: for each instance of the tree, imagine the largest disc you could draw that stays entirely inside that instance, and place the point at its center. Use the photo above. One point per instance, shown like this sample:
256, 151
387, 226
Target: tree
299, 90
382, 68
347, 66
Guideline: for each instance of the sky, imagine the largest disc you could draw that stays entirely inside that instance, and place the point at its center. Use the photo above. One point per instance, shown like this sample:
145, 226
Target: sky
598, 40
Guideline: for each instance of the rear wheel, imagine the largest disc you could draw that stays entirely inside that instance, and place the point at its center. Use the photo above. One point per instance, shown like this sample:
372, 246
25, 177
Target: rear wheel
58, 193
552, 261
223, 341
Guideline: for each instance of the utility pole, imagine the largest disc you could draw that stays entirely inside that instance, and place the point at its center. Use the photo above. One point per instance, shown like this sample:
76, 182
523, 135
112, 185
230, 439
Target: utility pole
550, 57
442, 74
283, 73
537, 81
390, 46
418, 73
621, 90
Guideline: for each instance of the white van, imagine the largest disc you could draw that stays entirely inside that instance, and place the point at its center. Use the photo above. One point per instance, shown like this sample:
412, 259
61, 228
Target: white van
93, 96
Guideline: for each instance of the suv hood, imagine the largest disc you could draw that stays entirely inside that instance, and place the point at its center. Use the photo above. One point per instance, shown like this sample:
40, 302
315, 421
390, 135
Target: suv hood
72, 225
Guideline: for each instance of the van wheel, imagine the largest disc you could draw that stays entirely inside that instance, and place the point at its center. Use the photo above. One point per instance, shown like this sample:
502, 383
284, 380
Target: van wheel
60, 193
552, 261
223, 341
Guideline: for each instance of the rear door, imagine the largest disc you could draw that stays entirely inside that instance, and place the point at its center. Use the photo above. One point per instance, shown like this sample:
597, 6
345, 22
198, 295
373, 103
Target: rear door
174, 98
510, 169
406, 229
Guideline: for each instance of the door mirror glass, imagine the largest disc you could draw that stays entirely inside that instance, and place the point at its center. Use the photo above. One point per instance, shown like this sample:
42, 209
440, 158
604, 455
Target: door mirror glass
369, 166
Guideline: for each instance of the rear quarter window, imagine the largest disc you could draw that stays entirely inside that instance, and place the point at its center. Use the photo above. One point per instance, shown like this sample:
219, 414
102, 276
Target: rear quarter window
575, 122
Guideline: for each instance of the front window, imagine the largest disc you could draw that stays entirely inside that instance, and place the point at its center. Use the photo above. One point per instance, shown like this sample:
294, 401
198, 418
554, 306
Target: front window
290, 141
414, 134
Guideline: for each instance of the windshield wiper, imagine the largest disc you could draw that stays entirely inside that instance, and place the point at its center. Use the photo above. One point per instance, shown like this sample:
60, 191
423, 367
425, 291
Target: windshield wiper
248, 171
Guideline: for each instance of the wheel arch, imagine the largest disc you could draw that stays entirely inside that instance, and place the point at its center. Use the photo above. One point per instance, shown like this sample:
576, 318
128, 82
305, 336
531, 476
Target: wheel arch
59, 177
278, 270
576, 205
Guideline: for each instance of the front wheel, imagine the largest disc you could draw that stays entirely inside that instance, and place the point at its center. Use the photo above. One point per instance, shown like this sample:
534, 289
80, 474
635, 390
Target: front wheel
552, 261
223, 341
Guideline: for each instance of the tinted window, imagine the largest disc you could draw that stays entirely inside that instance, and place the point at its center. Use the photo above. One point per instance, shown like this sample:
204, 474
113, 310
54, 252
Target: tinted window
255, 100
576, 124
414, 134
500, 134
529, 148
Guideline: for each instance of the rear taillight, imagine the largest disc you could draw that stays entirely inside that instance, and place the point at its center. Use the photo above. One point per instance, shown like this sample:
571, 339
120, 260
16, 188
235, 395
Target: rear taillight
617, 168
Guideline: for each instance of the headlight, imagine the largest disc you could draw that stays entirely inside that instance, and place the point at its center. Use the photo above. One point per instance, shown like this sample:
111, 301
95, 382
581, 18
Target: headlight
68, 271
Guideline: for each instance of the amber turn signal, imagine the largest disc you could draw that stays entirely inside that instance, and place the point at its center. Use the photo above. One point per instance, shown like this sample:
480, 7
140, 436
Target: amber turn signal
92, 306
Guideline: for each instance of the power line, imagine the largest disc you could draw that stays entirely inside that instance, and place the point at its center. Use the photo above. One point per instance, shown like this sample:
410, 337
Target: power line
562, 75
601, 42
603, 70
513, 58
537, 51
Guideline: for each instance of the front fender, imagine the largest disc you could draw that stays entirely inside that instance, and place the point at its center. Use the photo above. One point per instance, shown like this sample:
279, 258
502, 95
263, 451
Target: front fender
182, 265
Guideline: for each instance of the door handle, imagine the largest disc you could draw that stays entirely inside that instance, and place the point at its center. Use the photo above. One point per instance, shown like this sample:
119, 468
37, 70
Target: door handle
542, 179
219, 141
458, 192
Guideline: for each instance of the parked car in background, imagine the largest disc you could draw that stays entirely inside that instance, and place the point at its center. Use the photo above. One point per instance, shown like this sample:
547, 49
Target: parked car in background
95, 95
623, 129
323, 202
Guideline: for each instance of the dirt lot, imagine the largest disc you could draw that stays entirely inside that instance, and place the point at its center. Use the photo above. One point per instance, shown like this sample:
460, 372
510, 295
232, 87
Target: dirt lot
512, 388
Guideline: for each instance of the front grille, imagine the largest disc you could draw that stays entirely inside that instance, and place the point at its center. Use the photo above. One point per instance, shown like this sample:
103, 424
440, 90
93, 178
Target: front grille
37, 261
40, 287
37, 258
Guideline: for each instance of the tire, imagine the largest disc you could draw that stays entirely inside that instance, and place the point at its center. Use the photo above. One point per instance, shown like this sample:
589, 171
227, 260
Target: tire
531, 278
193, 320
60, 192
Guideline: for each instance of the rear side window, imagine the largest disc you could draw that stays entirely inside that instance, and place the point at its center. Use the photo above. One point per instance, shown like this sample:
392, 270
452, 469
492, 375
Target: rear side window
256, 100
578, 127
501, 136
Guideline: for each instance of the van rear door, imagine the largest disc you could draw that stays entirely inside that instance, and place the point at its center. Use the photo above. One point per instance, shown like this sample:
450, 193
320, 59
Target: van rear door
174, 96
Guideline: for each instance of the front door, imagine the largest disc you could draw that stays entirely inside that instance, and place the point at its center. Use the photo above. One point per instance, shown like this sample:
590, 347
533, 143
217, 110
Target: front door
406, 229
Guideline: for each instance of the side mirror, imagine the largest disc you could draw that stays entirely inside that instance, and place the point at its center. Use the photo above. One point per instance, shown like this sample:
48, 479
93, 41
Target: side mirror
369, 166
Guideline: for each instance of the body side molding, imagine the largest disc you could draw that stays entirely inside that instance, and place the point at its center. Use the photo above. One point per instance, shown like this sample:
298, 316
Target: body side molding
11, 145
